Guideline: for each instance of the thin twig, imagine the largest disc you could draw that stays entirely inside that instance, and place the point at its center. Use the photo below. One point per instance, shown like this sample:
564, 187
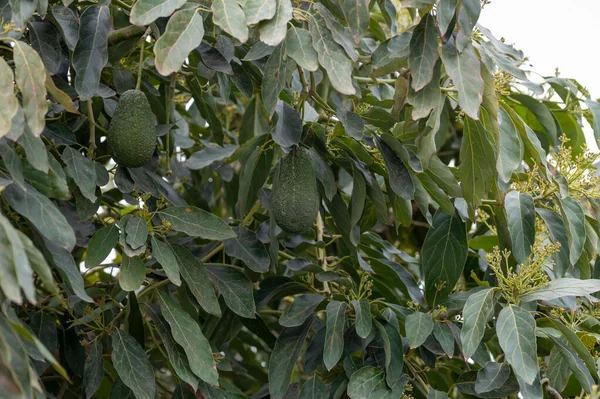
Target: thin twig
92, 124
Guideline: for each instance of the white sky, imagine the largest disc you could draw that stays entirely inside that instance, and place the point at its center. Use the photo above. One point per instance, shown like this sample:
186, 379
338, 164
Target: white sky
552, 33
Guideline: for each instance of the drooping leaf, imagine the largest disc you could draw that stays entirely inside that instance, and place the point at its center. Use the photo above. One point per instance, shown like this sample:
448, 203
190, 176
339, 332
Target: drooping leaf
394, 352
10, 104
273, 31
562, 287
132, 273
428, 98
144, 12
187, 333
443, 254
363, 322
34, 147
41, 213
284, 357
558, 234
476, 171
356, 14
301, 308
278, 69
365, 382
477, 311
132, 365
298, 44
45, 41
30, 75
334, 335
91, 52
576, 365
464, 69
209, 155
184, 33
423, 52
82, 170
102, 242
558, 370
492, 376
248, 249
510, 151
418, 326
68, 24
229, 16
314, 389
574, 220
197, 222
235, 287
332, 57
93, 372
466, 384
400, 179
259, 10
163, 253
520, 214
516, 333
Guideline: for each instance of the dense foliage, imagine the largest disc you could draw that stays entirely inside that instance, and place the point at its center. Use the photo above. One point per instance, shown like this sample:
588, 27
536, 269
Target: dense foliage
454, 248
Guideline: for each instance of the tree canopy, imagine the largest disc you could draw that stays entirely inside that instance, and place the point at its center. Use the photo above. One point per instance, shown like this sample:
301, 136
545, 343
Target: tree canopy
454, 252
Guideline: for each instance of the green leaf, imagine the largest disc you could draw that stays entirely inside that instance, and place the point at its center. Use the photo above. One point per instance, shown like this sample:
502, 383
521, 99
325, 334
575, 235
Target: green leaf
492, 376
132, 273
176, 354
520, 214
255, 121
478, 309
356, 14
575, 364
13, 253
249, 250
338, 32
561, 288
197, 222
466, 384
163, 253
93, 372
443, 255
35, 150
399, 176
301, 308
558, 370
102, 242
288, 129
444, 335
574, 219
91, 53
511, 151
334, 335
136, 232
298, 43
445, 13
53, 184
10, 104
195, 276
558, 234
423, 52
284, 357
463, 67
209, 155
254, 174
68, 24
45, 41
229, 16
418, 326
39, 265
259, 10
314, 389
41, 213
279, 70
428, 98
516, 333
363, 323
443, 176
394, 352
144, 12
365, 382
30, 75
273, 31
184, 33
332, 57
235, 287
476, 167
594, 107
83, 172
187, 333
132, 365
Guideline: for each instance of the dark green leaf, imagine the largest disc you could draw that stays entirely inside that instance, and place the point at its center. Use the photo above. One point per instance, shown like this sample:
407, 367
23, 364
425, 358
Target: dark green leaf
444, 335
163, 253
314, 389
44, 39
466, 384
68, 24
278, 71
520, 214
558, 234
365, 382
363, 323
477, 311
102, 242
83, 172
492, 376
197, 222
248, 249
35, 150
476, 169
516, 333
561, 288
91, 53
298, 44
288, 128
187, 333
558, 370
394, 352
423, 52
93, 372
284, 357
400, 179
334, 335
209, 155
356, 14
132, 273
301, 308
574, 363
444, 254
136, 232
255, 121
132, 365
574, 220
235, 287
418, 328
510, 152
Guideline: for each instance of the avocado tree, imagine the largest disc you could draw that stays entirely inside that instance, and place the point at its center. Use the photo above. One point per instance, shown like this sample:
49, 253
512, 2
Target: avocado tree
290, 199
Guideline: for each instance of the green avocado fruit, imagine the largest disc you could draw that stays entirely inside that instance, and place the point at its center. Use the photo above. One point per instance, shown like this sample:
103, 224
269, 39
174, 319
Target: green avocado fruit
132, 134
295, 198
